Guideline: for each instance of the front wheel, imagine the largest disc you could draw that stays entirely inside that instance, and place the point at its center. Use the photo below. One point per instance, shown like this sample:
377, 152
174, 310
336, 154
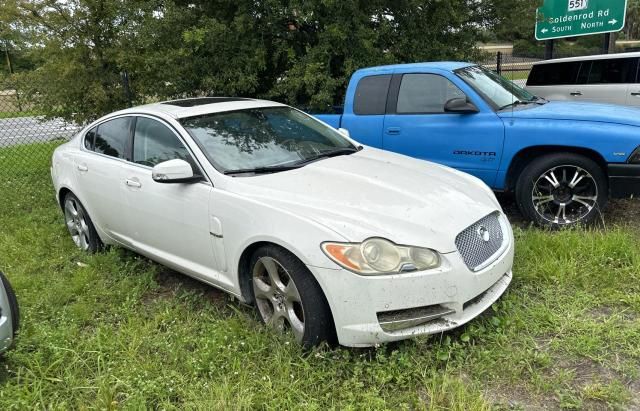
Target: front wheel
288, 298
562, 189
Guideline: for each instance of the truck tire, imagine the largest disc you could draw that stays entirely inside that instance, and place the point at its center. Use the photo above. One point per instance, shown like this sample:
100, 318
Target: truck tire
561, 190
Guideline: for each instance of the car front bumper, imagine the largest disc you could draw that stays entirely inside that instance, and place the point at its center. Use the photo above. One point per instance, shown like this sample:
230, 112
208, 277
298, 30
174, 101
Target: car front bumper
368, 310
624, 180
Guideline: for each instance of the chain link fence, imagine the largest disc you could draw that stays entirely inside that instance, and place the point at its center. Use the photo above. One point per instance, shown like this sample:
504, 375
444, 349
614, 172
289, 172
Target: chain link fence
27, 140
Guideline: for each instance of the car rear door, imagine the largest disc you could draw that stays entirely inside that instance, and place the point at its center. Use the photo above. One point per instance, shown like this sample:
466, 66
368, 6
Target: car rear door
167, 221
97, 172
609, 81
417, 125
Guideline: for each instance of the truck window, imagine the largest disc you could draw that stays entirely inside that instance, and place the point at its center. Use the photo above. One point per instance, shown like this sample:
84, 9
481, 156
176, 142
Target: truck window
613, 71
425, 93
371, 95
554, 74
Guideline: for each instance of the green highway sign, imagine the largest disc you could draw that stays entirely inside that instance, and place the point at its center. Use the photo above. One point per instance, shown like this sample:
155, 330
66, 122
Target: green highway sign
569, 18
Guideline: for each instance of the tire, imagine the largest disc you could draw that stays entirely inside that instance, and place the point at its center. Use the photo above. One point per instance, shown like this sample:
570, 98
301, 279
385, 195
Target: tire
13, 304
561, 190
81, 228
288, 297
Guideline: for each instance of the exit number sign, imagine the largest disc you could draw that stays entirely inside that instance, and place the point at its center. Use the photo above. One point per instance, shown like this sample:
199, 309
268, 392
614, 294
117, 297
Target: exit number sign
575, 5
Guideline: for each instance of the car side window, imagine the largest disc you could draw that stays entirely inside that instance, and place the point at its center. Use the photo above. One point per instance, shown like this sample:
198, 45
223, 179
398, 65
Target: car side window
425, 93
153, 143
371, 95
89, 138
112, 137
613, 71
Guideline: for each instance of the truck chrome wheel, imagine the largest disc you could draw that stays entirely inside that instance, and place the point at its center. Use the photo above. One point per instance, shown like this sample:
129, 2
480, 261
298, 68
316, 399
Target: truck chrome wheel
564, 194
277, 297
77, 225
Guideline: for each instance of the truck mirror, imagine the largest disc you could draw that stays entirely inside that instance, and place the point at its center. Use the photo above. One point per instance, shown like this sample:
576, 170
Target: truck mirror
460, 106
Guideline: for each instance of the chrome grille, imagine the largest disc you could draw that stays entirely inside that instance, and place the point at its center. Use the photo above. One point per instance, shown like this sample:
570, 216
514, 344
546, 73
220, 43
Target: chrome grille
480, 241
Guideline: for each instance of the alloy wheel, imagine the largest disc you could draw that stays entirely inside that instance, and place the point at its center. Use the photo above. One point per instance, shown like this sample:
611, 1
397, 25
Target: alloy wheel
277, 297
564, 194
75, 219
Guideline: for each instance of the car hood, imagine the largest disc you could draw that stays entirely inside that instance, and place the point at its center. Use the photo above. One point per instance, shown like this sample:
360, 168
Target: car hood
374, 193
577, 111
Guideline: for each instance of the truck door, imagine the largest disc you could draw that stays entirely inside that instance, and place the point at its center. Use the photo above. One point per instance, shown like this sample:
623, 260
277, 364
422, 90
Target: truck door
417, 125
365, 106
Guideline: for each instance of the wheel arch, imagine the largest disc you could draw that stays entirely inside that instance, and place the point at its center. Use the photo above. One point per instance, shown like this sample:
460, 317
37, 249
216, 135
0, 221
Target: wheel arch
525, 156
62, 193
244, 272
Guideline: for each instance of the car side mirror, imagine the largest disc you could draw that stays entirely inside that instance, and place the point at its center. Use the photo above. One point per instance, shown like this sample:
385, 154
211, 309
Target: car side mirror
460, 105
174, 171
344, 132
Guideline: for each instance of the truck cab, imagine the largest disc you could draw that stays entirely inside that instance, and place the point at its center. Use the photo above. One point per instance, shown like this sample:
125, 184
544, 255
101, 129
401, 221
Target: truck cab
562, 159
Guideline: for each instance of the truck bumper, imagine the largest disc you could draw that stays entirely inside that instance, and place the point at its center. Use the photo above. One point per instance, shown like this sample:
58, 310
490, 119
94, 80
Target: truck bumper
624, 180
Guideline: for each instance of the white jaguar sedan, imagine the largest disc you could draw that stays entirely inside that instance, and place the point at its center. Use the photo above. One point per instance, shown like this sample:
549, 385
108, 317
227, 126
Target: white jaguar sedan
329, 240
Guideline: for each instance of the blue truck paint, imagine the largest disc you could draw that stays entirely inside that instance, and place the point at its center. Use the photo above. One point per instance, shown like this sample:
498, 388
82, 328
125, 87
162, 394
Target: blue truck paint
486, 143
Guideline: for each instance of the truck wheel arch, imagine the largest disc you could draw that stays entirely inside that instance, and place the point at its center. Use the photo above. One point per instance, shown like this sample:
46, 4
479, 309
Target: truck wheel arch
523, 157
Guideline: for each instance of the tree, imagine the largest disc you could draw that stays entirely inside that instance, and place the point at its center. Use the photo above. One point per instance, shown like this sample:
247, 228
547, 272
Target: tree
632, 24
300, 52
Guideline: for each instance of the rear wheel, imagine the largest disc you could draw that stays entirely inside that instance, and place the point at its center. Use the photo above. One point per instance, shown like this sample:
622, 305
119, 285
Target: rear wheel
288, 298
80, 226
562, 189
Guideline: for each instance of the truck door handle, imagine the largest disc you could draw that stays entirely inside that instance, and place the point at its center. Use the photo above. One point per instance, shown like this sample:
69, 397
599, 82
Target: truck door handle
82, 167
576, 93
133, 183
635, 93
393, 130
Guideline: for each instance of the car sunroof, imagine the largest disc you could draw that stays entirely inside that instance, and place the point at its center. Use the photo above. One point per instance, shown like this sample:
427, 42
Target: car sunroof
192, 102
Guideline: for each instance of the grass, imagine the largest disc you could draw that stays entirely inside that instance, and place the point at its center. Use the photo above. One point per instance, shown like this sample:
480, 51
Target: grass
116, 331
516, 75
16, 114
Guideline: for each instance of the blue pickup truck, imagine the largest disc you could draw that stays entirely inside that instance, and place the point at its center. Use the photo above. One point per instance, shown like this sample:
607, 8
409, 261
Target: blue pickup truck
563, 160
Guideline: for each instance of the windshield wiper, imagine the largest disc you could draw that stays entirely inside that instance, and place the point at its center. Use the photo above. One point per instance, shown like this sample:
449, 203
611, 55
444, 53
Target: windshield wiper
260, 170
539, 100
515, 103
299, 164
329, 153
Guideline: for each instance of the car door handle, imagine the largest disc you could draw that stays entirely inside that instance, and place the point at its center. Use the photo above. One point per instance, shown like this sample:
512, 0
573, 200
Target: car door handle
393, 130
576, 93
133, 183
82, 167
635, 93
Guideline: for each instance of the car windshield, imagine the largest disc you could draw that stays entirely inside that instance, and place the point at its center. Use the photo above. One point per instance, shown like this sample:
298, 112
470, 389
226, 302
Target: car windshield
498, 91
264, 139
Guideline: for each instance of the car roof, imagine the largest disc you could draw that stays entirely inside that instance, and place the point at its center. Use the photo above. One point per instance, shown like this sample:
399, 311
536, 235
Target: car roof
197, 106
441, 65
594, 57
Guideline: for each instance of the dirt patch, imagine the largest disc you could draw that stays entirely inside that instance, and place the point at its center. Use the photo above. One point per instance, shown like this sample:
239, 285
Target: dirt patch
605, 312
171, 283
509, 397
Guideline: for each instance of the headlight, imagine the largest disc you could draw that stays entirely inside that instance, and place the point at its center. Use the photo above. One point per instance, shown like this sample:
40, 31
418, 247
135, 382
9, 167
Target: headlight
380, 256
635, 157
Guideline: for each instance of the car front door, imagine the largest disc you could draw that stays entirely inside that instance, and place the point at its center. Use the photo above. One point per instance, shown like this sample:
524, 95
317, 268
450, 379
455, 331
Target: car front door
167, 221
417, 125
97, 169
